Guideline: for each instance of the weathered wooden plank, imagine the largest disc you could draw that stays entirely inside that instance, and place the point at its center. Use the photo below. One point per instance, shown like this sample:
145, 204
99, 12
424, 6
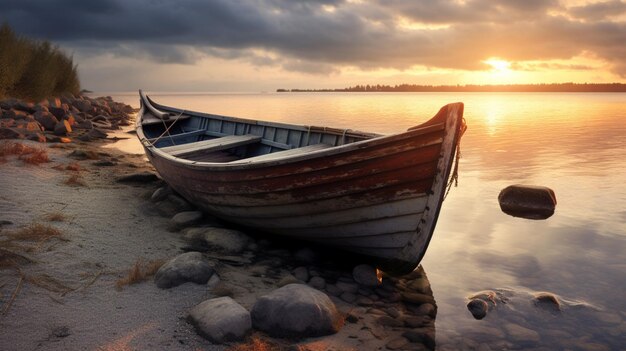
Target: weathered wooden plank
286, 153
211, 145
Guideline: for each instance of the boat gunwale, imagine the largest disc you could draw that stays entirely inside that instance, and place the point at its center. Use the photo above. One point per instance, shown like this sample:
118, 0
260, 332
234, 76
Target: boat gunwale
376, 140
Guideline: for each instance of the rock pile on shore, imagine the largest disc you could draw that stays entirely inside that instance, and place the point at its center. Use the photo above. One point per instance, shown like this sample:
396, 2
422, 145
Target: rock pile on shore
60, 119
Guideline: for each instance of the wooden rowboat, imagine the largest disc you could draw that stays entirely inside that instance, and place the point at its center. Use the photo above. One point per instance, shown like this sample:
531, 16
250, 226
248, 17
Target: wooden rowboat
375, 195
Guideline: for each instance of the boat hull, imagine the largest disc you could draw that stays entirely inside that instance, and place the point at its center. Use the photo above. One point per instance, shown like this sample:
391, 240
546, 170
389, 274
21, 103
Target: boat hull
378, 197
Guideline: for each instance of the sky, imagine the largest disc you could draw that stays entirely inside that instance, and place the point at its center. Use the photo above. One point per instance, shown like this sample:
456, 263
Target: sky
263, 45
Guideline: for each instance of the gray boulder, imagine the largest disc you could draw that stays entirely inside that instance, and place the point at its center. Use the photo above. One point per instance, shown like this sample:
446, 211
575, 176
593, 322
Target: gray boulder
221, 320
296, 310
527, 201
188, 267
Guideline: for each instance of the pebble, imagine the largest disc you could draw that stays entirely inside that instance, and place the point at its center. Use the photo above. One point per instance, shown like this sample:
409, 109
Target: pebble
397, 343
364, 301
390, 322
288, 279
347, 287
547, 301
416, 298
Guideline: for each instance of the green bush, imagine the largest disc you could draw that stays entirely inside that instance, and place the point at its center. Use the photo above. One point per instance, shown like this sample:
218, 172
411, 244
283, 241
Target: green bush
32, 69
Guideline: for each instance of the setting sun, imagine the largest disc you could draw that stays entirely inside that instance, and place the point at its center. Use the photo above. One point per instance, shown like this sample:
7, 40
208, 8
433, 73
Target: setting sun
498, 64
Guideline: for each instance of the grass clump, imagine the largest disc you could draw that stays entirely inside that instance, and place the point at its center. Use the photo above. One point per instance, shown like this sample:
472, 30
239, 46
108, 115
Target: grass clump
256, 343
27, 154
139, 272
55, 217
32, 69
75, 180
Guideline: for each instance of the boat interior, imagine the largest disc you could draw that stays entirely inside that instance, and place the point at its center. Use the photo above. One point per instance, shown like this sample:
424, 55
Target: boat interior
213, 138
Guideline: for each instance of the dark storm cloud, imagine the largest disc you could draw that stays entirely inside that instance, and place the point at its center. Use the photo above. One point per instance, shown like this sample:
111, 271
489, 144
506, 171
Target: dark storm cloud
318, 36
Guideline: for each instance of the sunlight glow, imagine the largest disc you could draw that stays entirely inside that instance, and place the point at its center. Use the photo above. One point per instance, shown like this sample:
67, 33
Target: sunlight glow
498, 65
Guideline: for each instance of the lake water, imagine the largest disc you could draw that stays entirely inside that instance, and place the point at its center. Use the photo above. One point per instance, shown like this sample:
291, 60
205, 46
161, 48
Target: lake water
572, 143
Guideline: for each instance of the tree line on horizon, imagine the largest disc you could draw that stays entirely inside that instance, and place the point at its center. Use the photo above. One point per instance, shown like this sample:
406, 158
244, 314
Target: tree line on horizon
34, 69
517, 88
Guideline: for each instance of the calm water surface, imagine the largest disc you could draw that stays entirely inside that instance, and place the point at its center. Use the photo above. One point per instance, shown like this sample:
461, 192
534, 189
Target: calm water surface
572, 143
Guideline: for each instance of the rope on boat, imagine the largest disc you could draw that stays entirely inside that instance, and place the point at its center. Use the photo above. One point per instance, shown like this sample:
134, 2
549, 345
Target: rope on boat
167, 129
454, 178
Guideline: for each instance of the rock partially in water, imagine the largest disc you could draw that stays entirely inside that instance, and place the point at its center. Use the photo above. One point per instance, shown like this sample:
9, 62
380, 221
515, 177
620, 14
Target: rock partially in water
367, 275
527, 201
478, 308
296, 310
425, 336
221, 320
547, 301
187, 267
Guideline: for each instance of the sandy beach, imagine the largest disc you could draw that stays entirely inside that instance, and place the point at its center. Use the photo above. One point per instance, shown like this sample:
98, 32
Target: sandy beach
63, 292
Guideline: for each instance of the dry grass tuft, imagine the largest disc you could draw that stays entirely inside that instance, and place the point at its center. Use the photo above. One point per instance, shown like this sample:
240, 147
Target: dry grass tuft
256, 343
36, 232
55, 217
75, 180
49, 283
36, 157
74, 166
30, 155
139, 272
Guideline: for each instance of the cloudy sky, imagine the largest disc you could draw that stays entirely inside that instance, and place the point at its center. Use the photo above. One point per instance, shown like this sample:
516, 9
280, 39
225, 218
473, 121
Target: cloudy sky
262, 45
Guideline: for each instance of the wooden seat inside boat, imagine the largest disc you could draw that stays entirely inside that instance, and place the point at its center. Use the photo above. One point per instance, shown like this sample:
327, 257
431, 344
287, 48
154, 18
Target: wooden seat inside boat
211, 145
285, 153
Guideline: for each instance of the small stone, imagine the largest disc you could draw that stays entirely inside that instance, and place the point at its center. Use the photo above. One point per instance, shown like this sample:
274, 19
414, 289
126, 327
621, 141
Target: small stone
62, 128
421, 285
187, 267
478, 308
397, 343
60, 332
221, 320
348, 297
318, 283
185, 219
351, 317
425, 336
301, 273
367, 275
86, 124
427, 309
347, 287
393, 312
364, 301
390, 322
416, 298
415, 322
296, 310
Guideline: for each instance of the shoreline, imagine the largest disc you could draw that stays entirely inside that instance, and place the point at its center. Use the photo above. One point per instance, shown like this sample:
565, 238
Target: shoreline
109, 225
